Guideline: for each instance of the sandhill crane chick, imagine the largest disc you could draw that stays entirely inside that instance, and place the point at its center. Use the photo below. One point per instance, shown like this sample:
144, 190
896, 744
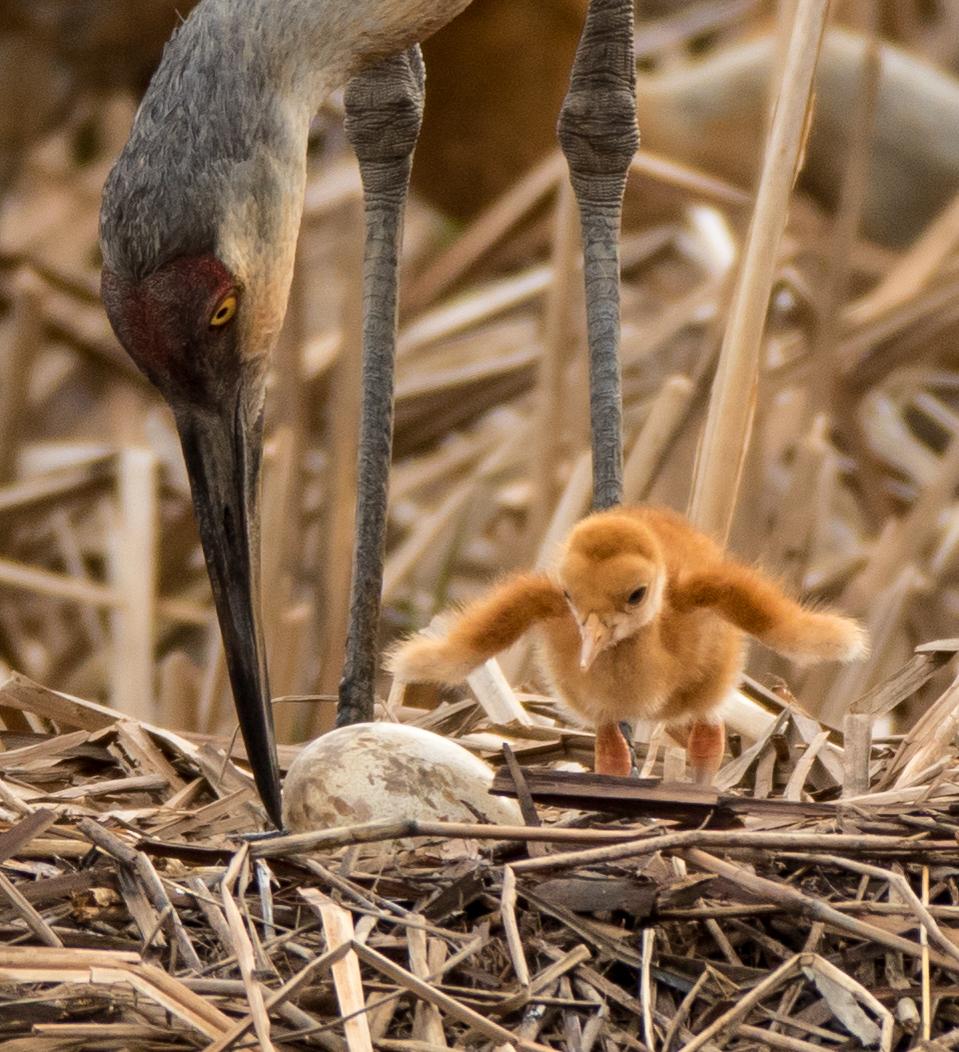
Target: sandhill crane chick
646, 618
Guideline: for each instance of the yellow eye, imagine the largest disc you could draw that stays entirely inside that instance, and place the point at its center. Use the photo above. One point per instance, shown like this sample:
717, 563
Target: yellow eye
225, 310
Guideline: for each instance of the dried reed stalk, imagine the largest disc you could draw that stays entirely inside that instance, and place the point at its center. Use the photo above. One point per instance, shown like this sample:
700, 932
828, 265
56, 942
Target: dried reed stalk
729, 421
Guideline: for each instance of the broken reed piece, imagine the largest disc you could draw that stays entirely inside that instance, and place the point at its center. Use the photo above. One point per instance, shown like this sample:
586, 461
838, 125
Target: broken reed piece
635, 797
857, 742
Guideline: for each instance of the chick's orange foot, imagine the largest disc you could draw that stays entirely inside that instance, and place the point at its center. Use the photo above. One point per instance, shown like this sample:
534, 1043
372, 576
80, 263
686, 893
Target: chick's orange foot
645, 618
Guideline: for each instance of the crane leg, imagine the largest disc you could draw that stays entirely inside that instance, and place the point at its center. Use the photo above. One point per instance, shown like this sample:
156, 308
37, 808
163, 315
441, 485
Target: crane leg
384, 110
598, 134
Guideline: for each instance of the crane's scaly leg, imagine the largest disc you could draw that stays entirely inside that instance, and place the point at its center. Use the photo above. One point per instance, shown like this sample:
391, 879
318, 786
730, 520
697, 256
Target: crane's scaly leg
384, 110
598, 134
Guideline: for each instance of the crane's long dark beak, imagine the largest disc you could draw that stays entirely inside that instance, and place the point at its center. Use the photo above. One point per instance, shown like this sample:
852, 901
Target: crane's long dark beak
222, 450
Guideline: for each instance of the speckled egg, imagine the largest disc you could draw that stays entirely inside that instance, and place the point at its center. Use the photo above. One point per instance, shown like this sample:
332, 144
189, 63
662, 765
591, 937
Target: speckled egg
388, 772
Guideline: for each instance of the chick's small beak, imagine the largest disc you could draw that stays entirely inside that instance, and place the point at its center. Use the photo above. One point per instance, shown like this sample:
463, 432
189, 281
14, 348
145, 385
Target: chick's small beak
222, 452
596, 638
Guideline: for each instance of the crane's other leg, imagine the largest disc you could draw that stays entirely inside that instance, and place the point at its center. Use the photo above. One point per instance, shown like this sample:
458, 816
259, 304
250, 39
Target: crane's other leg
384, 110
598, 134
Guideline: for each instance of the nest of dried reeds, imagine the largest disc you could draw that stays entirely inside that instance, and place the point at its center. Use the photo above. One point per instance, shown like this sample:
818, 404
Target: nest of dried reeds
776, 910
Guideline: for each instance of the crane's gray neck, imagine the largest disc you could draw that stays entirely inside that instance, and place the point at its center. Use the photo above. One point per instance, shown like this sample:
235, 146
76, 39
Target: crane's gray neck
307, 47
218, 146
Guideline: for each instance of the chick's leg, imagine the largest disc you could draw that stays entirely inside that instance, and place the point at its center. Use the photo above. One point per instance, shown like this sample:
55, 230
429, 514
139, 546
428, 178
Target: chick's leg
612, 751
705, 744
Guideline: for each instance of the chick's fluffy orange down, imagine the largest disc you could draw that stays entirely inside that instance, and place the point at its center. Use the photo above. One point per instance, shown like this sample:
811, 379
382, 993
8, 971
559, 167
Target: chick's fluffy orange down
645, 618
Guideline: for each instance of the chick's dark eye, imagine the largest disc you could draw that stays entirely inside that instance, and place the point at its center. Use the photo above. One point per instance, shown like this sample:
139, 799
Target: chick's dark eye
636, 597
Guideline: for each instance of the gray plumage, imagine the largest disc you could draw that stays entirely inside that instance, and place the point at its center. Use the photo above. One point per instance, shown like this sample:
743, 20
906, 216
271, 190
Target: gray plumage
208, 133
221, 131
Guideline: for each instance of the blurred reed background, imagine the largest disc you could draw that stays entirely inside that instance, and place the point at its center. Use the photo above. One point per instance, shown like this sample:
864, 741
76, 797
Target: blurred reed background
849, 487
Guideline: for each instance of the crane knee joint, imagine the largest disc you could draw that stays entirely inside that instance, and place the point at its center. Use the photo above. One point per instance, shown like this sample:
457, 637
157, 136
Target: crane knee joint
384, 109
598, 133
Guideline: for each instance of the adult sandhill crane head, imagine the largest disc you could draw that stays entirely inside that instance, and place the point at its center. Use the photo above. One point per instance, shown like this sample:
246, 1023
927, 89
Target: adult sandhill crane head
198, 230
